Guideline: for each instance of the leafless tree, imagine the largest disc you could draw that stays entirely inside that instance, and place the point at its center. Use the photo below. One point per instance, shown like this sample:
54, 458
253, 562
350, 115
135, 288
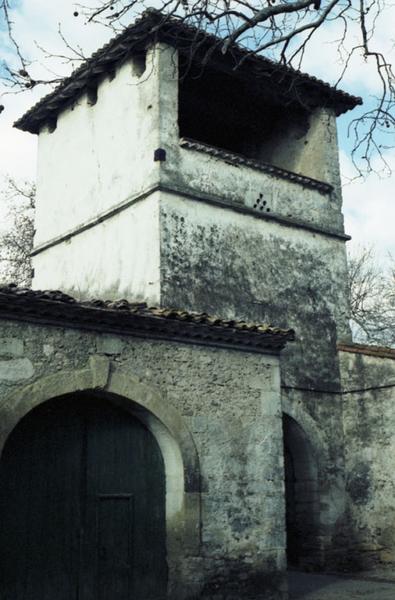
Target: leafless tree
372, 299
280, 29
16, 241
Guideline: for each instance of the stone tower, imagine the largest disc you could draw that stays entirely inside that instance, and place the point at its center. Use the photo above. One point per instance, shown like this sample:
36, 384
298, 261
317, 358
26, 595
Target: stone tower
208, 189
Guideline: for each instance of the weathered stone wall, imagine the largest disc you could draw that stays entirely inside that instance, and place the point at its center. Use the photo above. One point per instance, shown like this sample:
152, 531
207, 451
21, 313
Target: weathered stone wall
368, 530
311, 151
238, 266
197, 172
225, 255
226, 537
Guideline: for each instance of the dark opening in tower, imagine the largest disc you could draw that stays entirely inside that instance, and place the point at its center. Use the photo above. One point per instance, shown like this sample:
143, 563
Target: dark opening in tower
243, 116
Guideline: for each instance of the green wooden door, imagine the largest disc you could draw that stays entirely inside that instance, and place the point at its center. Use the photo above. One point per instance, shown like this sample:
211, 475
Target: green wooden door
82, 506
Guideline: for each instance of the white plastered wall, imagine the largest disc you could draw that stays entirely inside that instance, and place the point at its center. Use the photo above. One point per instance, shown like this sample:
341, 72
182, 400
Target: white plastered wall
98, 155
117, 258
97, 229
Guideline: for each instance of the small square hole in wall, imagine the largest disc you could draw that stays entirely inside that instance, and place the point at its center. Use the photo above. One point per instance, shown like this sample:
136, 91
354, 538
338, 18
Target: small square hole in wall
92, 94
139, 64
52, 124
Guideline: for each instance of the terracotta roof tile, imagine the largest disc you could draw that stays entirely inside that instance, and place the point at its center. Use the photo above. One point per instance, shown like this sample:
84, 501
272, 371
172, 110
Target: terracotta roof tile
379, 351
136, 318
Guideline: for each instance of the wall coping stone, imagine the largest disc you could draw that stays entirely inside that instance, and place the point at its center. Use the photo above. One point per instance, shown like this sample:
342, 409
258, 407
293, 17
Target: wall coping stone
379, 351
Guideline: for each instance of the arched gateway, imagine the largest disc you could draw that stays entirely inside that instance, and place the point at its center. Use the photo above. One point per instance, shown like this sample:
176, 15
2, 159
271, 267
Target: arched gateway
82, 505
50, 430
103, 497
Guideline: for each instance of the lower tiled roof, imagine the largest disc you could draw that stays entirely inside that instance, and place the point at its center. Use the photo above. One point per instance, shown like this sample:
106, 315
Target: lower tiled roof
136, 318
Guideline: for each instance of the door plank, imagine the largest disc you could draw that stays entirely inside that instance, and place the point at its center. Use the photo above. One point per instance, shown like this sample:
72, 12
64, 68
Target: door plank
114, 549
39, 507
123, 458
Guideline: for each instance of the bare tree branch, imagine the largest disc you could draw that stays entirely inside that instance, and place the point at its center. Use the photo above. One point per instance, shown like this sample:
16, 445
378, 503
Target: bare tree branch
266, 14
372, 299
17, 241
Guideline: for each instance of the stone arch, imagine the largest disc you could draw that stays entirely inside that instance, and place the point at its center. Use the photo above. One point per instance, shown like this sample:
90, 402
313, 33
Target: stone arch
168, 427
305, 459
316, 437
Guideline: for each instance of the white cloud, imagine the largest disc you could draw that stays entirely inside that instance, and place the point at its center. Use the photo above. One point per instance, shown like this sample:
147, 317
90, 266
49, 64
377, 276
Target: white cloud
369, 209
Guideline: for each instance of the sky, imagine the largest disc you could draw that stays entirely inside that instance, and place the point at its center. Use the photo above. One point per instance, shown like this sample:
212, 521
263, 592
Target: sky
369, 206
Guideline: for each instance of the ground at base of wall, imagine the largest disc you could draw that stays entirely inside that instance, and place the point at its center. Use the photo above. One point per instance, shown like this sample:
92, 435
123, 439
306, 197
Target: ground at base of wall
368, 586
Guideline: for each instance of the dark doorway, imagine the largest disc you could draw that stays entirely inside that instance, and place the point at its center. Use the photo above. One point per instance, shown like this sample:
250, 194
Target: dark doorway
301, 494
82, 506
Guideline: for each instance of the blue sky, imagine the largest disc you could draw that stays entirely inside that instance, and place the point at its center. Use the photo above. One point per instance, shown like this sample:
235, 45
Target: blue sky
369, 205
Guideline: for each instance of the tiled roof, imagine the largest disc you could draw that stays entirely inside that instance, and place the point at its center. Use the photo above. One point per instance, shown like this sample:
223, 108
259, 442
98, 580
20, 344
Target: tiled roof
130, 318
239, 159
155, 26
379, 351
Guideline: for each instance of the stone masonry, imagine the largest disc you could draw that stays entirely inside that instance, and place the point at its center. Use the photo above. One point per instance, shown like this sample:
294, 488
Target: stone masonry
223, 455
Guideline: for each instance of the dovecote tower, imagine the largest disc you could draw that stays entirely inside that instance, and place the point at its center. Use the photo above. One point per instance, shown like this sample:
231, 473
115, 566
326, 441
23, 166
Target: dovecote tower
168, 179
210, 189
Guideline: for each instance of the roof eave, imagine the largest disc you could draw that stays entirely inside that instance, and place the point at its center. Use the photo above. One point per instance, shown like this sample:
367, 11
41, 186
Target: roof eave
138, 321
155, 26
